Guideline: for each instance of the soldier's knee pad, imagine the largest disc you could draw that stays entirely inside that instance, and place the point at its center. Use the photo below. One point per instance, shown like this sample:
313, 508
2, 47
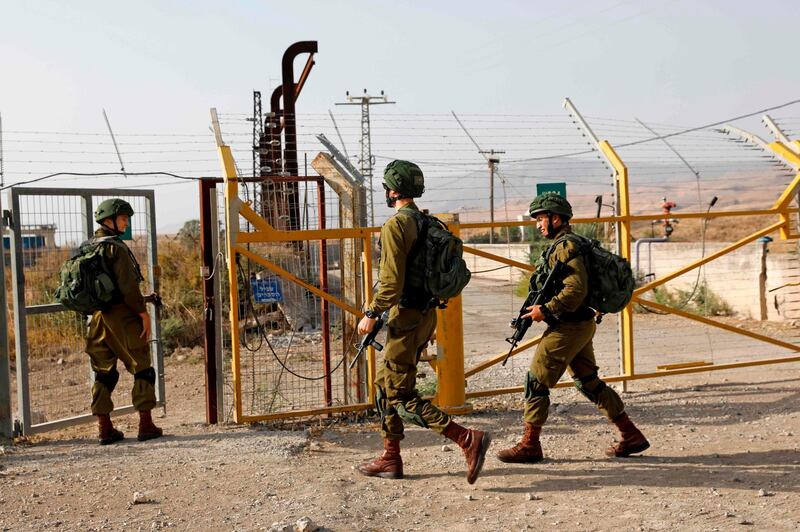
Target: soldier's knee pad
590, 386
534, 388
414, 417
108, 379
147, 375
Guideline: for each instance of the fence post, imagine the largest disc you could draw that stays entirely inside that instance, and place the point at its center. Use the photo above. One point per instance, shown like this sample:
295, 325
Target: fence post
352, 213
208, 233
623, 230
624, 250
451, 392
6, 421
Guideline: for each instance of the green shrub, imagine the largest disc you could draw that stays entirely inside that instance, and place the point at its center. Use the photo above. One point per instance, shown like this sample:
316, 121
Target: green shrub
181, 292
702, 300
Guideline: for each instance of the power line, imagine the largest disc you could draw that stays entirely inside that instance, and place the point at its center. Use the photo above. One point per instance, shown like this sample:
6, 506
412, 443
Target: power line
101, 174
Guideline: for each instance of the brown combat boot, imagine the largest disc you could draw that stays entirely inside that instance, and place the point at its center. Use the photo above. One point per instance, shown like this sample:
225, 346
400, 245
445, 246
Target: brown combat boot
631, 439
527, 451
147, 429
474, 444
108, 434
387, 465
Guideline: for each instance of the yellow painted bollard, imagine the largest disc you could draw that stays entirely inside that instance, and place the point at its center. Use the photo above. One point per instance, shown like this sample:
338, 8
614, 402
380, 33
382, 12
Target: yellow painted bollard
450, 395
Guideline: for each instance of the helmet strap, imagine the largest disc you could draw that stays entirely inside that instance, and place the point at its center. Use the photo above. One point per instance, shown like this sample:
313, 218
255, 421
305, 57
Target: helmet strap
551, 232
114, 222
391, 201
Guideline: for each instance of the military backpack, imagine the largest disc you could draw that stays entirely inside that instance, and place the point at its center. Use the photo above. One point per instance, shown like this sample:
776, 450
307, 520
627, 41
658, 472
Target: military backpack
436, 268
87, 285
611, 279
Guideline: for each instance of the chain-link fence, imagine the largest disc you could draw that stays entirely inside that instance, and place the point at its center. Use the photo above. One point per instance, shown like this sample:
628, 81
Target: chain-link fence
50, 371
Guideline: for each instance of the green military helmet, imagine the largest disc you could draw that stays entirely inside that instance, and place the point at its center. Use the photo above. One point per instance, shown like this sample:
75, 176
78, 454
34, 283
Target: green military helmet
112, 207
405, 178
551, 202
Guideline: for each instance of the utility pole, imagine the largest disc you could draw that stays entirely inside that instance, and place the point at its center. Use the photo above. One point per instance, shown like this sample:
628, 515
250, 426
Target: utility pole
366, 160
493, 162
258, 133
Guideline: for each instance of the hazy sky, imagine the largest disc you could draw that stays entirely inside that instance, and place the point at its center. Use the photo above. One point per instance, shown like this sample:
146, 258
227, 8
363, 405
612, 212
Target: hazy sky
158, 66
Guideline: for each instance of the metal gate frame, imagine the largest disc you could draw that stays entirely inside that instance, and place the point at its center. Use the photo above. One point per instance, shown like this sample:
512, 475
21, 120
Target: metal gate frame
449, 362
23, 425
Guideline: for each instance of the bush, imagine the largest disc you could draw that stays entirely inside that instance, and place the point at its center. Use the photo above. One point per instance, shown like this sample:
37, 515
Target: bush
181, 293
702, 300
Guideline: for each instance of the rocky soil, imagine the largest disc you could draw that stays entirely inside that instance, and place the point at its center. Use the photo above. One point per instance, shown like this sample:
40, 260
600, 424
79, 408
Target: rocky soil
724, 456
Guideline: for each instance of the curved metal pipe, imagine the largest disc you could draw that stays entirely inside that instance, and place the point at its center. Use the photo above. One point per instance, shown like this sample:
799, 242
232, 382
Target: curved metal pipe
650, 240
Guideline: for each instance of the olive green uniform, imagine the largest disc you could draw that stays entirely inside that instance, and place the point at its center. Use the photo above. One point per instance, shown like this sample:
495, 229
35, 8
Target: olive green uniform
115, 334
408, 332
567, 343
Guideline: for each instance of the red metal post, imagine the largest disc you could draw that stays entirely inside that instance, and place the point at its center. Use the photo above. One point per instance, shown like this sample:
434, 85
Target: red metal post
208, 232
325, 323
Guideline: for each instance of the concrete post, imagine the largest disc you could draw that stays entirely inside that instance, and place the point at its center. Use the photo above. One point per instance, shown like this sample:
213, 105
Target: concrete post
352, 213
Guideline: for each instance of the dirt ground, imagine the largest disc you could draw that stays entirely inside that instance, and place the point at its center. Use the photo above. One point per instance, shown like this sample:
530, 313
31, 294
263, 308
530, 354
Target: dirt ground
724, 456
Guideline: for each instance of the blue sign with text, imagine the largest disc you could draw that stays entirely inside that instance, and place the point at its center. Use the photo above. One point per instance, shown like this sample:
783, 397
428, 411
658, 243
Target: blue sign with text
267, 290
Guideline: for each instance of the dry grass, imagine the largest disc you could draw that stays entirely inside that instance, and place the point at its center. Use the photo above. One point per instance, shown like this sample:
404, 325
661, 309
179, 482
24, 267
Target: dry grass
53, 335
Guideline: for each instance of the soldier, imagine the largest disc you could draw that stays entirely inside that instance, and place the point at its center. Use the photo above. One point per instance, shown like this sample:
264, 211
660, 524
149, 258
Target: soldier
567, 343
410, 326
121, 331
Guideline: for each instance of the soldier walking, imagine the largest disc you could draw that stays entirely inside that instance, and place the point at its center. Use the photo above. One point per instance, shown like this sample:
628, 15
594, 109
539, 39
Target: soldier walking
121, 331
410, 326
567, 343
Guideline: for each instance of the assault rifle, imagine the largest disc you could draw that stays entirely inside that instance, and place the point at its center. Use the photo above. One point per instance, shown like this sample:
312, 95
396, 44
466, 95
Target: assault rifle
369, 339
535, 297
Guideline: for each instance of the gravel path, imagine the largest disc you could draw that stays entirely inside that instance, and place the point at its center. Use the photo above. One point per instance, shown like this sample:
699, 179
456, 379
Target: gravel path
725, 456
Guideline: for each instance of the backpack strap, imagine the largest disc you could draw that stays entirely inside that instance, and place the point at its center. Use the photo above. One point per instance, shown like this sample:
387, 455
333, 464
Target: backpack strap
583, 247
115, 241
423, 224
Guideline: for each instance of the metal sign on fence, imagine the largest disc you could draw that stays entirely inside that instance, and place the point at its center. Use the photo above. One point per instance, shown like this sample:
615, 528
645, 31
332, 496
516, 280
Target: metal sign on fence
558, 188
267, 290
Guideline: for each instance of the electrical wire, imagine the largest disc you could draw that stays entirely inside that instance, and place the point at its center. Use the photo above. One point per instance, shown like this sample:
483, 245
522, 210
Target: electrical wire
101, 174
264, 338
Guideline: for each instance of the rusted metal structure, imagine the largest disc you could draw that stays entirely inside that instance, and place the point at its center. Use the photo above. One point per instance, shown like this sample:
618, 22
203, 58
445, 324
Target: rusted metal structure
277, 147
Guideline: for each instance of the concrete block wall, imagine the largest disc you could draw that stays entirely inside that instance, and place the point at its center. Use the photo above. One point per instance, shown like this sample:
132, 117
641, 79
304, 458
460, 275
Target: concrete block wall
734, 277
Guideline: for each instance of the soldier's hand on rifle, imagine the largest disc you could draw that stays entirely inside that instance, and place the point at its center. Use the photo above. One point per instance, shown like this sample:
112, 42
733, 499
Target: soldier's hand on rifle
366, 325
153, 298
535, 313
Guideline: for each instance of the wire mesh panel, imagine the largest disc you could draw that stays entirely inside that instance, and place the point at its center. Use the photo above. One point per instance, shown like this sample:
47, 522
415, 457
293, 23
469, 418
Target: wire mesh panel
294, 345
699, 169
491, 301
665, 341
53, 375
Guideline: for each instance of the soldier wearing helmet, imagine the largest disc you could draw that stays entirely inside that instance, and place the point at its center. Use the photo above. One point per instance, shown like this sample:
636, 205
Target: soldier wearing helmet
410, 326
121, 331
567, 343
